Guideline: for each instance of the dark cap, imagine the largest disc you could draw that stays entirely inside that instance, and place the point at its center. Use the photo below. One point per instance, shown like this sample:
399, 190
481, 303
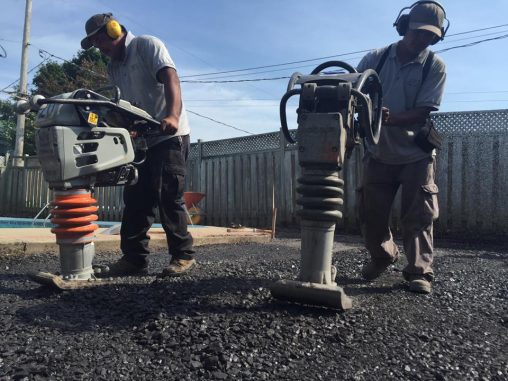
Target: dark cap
93, 25
427, 16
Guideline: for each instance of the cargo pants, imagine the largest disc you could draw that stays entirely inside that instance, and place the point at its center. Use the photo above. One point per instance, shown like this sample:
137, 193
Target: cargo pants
419, 209
160, 186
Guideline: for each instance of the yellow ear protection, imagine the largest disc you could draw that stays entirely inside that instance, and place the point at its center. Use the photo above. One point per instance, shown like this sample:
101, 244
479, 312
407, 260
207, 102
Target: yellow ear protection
113, 29
401, 24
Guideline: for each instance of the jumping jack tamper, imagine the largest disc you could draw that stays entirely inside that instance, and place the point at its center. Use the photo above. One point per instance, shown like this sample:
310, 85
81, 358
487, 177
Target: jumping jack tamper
336, 112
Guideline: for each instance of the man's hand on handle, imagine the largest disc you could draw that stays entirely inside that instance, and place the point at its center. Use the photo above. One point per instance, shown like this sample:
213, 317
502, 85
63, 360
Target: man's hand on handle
169, 125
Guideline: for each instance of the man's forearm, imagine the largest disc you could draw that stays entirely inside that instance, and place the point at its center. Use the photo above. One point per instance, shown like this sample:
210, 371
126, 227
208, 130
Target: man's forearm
172, 92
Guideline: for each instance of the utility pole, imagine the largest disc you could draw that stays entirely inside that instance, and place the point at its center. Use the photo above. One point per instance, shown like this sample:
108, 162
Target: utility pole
20, 125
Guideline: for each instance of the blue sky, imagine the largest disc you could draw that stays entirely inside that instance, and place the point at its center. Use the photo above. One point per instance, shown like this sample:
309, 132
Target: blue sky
207, 36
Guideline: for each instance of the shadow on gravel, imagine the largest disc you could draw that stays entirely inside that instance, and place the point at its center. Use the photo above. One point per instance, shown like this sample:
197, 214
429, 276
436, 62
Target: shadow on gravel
355, 286
26, 294
126, 305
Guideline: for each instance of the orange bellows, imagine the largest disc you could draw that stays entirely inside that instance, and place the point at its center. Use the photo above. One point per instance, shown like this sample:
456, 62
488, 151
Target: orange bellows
73, 213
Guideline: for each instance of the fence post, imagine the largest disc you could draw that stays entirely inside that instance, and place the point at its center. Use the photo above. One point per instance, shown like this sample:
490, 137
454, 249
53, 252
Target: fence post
282, 173
199, 162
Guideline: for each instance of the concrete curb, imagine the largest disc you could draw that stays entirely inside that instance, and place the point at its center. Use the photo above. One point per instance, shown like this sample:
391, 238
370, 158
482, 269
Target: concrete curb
36, 241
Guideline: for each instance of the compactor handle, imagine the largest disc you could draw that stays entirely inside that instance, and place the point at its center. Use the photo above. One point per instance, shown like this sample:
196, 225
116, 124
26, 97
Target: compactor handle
292, 81
283, 117
371, 115
116, 89
327, 64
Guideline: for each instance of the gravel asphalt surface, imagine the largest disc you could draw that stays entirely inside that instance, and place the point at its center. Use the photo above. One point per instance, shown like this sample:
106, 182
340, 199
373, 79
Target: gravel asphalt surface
220, 322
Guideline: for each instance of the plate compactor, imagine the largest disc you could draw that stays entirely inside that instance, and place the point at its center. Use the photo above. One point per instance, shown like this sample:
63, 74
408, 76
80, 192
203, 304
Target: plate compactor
80, 146
335, 113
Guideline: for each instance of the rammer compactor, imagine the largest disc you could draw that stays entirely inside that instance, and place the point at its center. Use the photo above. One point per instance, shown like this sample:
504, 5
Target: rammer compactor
80, 146
335, 113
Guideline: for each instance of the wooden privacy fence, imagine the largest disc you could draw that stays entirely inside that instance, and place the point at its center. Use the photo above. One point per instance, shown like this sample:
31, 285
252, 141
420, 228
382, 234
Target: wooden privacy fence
24, 193
243, 177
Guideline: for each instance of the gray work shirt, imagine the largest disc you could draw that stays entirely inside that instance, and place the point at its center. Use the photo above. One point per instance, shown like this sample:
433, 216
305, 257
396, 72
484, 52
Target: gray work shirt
403, 90
136, 76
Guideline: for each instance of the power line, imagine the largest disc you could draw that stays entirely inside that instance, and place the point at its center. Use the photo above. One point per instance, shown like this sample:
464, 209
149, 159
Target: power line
4, 55
278, 99
472, 43
282, 64
323, 58
473, 100
478, 92
477, 36
216, 121
221, 106
276, 65
12, 41
267, 71
43, 51
478, 30
236, 81
268, 79
231, 100
352, 58
49, 55
71, 63
17, 80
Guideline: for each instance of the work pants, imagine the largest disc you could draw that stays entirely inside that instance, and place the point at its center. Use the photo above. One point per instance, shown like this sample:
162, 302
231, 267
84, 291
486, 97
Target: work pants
419, 208
160, 185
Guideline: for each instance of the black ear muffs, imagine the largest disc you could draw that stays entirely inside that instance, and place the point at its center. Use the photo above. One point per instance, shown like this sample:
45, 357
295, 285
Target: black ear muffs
401, 24
113, 29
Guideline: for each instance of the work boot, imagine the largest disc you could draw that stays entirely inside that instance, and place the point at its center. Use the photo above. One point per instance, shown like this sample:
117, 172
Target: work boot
419, 284
178, 267
374, 269
122, 267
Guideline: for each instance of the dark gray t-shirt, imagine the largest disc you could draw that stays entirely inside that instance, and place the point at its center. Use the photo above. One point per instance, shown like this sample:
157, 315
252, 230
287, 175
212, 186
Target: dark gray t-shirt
403, 90
136, 76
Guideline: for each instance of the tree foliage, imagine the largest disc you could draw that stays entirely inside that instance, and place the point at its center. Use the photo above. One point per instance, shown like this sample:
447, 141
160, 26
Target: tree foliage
8, 118
86, 70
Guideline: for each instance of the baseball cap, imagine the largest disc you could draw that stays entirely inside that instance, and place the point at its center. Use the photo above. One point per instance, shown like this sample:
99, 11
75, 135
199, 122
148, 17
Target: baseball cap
427, 16
93, 25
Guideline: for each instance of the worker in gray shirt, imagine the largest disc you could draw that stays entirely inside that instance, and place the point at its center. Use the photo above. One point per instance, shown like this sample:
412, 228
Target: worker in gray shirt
413, 80
144, 72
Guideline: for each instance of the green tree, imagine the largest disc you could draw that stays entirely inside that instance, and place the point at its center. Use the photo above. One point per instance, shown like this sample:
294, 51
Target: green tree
86, 70
7, 125
8, 119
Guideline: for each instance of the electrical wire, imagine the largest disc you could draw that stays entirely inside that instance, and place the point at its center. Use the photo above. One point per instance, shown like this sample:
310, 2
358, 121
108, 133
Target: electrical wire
235, 81
472, 37
277, 65
219, 122
307, 66
214, 80
473, 100
477, 30
4, 55
325, 57
49, 54
21, 96
472, 43
72, 63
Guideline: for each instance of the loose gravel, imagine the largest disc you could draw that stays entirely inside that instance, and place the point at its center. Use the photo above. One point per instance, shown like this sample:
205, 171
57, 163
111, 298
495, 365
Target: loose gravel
220, 322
